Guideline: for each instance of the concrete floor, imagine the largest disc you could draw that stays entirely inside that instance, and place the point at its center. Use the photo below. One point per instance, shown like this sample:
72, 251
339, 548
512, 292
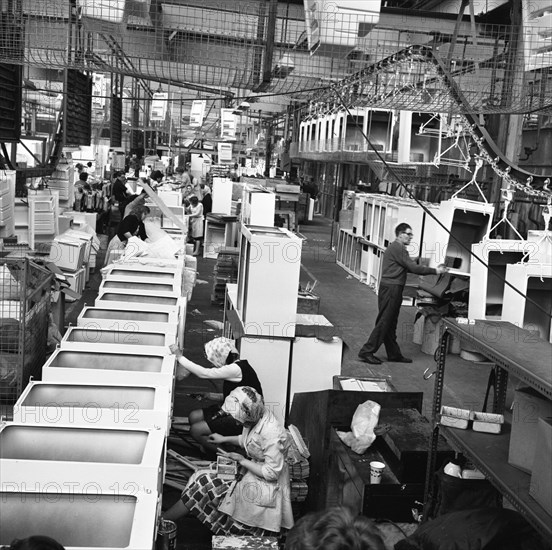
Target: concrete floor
351, 307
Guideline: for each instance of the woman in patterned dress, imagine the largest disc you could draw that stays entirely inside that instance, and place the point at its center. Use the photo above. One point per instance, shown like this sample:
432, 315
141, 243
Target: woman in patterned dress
258, 502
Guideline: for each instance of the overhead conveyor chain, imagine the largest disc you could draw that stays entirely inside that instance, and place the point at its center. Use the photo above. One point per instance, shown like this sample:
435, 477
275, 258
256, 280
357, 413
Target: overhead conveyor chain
522, 180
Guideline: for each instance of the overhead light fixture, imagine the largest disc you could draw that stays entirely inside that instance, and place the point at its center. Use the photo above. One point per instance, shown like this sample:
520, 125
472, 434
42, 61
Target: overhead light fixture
241, 108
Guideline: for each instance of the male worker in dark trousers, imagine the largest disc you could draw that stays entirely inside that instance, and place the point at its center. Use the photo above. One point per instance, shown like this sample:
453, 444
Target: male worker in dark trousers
396, 264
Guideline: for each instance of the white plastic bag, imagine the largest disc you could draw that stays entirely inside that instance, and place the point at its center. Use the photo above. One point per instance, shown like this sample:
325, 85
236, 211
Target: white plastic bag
364, 422
166, 248
153, 231
135, 247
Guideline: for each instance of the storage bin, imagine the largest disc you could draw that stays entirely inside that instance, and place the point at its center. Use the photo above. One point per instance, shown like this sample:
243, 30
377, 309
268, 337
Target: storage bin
487, 422
454, 417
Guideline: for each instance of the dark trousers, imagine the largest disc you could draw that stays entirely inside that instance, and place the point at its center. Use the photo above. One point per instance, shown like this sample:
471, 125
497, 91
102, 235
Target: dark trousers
385, 331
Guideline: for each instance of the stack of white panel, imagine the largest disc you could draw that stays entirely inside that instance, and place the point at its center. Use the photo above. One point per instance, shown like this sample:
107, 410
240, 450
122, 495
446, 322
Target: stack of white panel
7, 198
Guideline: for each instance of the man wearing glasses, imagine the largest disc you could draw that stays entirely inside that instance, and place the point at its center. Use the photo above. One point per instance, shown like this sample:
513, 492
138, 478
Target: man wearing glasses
396, 264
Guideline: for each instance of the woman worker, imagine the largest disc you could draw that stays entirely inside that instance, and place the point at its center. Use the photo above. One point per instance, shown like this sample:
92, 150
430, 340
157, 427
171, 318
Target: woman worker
131, 225
235, 372
195, 213
259, 503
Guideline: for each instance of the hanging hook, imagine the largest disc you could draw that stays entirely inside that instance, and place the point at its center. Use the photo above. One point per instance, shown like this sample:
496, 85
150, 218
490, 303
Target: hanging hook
478, 165
428, 376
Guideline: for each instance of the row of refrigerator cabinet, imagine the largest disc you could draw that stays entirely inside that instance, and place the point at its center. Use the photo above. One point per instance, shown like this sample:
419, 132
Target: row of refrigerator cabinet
511, 277
437, 232
401, 136
87, 445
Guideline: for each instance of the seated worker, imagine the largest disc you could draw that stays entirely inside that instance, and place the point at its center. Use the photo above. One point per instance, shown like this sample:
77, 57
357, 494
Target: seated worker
235, 372
130, 226
259, 503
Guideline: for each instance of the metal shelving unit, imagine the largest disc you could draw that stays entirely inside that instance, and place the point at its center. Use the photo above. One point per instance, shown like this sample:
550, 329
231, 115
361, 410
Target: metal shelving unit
527, 357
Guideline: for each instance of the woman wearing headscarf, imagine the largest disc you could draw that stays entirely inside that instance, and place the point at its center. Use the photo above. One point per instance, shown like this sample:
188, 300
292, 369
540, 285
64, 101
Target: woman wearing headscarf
227, 366
258, 502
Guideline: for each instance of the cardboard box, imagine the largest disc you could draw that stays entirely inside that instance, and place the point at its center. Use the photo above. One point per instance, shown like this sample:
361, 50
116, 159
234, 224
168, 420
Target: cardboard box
77, 281
346, 219
308, 303
67, 253
541, 479
527, 408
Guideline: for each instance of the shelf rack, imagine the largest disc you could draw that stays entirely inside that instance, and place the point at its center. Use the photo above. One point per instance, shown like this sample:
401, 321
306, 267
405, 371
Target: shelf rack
527, 357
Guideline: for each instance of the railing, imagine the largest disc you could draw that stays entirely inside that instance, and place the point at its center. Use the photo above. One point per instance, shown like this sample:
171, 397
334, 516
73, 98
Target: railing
361, 147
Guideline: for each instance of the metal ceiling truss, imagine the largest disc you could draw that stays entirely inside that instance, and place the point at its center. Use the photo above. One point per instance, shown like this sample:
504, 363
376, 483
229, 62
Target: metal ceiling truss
386, 84
260, 46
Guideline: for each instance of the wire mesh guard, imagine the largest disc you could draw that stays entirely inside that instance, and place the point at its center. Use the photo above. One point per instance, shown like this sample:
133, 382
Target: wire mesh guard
214, 46
24, 316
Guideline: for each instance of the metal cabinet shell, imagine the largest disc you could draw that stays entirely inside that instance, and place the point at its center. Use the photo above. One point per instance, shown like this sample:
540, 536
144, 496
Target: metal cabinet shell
95, 404
133, 317
533, 281
127, 519
92, 338
38, 455
120, 367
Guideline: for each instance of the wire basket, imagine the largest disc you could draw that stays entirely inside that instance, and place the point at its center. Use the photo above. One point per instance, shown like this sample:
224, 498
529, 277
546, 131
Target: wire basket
24, 316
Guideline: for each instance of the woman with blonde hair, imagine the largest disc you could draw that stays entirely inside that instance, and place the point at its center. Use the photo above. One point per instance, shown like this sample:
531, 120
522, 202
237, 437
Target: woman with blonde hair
132, 225
258, 502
